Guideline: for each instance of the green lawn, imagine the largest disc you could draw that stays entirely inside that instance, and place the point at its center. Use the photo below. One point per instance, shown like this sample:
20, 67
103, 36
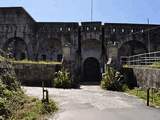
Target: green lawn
154, 95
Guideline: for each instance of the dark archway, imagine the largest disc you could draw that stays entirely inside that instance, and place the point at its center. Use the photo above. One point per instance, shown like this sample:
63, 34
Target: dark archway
132, 48
16, 48
91, 70
51, 47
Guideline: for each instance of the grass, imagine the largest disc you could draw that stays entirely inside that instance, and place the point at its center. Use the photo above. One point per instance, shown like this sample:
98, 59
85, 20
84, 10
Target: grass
34, 109
142, 94
2, 58
18, 106
155, 65
30, 61
36, 62
14, 104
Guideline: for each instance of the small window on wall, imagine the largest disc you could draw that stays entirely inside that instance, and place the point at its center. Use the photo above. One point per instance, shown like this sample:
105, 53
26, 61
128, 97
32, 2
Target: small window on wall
23, 56
113, 30
142, 30
44, 57
95, 28
87, 28
69, 29
132, 30
59, 57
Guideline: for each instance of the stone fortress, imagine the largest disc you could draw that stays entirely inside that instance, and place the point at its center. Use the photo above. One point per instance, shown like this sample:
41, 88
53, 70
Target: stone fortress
84, 47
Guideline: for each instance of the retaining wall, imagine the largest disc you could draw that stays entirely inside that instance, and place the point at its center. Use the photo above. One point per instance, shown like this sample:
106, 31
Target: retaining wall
34, 74
145, 77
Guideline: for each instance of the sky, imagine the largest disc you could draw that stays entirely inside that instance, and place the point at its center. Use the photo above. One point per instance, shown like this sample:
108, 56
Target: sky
111, 11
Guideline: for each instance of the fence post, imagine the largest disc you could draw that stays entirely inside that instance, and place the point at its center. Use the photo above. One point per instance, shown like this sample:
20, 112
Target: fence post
148, 95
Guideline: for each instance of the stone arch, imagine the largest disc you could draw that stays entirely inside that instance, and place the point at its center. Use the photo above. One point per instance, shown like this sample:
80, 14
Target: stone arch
51, 48
91, 70
130, 48
16, 48
91, 48
91, 43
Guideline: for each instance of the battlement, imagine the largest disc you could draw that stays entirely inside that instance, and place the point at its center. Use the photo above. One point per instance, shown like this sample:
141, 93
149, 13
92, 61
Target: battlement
127, 28
91, 26
57, 26
91, 23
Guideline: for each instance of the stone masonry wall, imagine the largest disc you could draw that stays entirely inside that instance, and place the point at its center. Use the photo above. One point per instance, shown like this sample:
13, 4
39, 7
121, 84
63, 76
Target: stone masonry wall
145, 77
34, 74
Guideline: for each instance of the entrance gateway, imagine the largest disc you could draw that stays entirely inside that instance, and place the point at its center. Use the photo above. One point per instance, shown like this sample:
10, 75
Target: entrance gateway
91, 70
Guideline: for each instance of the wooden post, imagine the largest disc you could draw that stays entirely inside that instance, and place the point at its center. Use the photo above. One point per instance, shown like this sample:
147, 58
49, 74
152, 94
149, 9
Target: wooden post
45, 94
43, 89
148, 89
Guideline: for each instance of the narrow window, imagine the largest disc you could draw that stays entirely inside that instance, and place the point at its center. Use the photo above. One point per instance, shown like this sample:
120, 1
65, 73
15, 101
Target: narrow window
114, 30
23, 56
132, 30
44, 57
87, 28
142, 30
69, 29
61, 29
59, 57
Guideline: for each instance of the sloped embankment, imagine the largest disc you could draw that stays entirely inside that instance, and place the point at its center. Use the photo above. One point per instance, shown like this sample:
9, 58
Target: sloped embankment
14, 104
11, 94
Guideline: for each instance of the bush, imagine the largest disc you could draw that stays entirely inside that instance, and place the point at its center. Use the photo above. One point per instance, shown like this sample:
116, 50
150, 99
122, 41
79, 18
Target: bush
10, 95
48, 107
11, 82
62, 79
113, 80
107, 78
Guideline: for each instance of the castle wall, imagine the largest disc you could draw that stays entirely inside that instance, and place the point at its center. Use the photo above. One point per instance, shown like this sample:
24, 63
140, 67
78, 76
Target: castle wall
72, 41
15, 22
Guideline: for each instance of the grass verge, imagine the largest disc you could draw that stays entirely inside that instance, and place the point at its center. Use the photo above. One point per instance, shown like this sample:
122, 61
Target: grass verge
142, 94
34, 109
36, 62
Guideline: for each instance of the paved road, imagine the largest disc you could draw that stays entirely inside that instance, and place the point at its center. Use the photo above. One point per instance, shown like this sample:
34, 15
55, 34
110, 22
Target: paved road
92, 103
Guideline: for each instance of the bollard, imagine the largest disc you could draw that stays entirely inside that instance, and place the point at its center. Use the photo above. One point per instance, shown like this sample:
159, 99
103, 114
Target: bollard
46, 99
148, 96
45, 94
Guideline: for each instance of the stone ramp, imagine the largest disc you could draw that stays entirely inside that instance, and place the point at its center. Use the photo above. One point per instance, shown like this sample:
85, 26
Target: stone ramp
93, 103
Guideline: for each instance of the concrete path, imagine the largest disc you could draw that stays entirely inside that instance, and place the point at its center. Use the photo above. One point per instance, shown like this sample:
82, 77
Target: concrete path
93, 103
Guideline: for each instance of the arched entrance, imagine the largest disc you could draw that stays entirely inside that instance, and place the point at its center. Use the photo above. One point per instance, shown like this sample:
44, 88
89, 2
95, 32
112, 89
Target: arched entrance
132, 48
50, 49
91, 70
16, 48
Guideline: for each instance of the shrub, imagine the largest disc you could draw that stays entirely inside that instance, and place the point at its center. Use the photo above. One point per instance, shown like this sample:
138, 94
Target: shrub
107, 78
11, 82
34, 109
113, 80
62, 79
48, 107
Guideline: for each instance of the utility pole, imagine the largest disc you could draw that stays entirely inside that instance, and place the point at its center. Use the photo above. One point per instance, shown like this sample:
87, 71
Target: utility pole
91, 10
149, 46
91, 19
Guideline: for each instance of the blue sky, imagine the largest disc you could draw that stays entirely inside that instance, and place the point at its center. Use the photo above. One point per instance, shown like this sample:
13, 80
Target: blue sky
117, 11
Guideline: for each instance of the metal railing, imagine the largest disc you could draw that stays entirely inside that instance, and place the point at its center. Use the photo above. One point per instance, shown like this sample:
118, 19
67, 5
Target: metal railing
141, 59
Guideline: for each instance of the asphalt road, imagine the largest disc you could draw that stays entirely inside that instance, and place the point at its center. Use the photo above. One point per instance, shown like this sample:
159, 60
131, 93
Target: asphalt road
92, 103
